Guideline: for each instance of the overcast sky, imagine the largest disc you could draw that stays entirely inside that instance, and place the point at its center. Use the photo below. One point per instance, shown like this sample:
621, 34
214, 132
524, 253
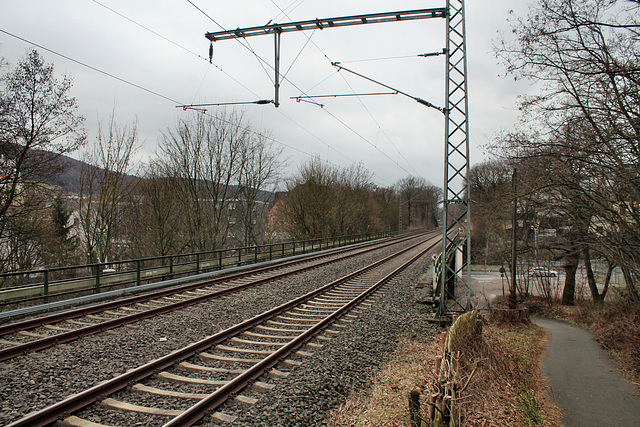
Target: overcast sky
392, 135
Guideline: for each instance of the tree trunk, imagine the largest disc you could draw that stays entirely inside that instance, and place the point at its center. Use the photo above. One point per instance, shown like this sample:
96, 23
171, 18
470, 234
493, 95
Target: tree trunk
568, 293
631, 287
607, 280
597, 298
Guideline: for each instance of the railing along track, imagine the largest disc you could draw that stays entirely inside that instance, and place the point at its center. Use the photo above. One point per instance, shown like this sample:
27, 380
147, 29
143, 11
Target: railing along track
213, 400
63, 337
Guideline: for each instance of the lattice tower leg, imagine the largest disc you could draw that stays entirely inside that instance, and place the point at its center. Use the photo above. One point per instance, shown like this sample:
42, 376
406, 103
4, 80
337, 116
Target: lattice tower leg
456, 208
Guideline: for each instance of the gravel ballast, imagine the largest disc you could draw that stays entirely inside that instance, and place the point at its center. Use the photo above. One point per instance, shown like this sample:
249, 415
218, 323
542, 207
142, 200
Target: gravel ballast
34, 381
345, 364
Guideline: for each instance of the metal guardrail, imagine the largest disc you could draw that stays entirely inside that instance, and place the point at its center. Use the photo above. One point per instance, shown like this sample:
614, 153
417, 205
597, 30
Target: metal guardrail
25, 287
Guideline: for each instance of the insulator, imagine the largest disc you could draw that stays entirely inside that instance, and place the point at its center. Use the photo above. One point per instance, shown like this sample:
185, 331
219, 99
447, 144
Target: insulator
210, 52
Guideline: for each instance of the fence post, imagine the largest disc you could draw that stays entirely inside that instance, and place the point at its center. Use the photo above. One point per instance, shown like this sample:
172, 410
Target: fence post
239, 256
138, 272
282, 251
219, 260
294, 249
46, 286
255, 254
171, 267
97, 278
198, 263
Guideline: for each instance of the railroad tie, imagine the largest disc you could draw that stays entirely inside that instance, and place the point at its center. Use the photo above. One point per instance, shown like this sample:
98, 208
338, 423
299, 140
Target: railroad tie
74, 421
194, 367
206, 355
124, 406
181, 378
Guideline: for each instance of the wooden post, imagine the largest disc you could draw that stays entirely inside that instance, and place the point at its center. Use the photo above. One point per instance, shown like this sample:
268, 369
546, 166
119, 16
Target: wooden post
414, 408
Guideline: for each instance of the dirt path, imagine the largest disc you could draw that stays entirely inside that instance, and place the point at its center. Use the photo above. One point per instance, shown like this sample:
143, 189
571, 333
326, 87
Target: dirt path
583, 380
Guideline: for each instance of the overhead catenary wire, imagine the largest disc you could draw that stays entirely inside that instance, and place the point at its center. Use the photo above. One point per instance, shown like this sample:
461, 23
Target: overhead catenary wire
341, 95
200, 107
113, 76
148, 29
137, 86
145, 89
282, 11
380, 127
219, 104
258, 57
366, 140
310, 100
177, 45
387, 58
295, 86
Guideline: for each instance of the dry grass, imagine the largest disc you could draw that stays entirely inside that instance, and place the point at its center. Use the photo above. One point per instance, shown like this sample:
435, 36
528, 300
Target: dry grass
386, 403
507, 388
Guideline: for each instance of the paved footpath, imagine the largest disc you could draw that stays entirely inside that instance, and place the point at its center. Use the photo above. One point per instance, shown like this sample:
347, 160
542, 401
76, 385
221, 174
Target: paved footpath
584, 381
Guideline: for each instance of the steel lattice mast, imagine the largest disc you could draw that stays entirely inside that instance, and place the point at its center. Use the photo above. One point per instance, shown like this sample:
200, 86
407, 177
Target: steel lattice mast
456, 207
456, 202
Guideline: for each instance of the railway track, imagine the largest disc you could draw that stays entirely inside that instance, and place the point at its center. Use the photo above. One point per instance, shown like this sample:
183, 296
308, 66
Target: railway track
218, 367
46, 331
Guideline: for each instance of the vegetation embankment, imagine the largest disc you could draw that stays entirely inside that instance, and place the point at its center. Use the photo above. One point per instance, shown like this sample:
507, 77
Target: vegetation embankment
495, 372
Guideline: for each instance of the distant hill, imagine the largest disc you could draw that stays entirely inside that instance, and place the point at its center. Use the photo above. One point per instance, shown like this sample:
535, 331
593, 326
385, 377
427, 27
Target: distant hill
69, 175
69, 178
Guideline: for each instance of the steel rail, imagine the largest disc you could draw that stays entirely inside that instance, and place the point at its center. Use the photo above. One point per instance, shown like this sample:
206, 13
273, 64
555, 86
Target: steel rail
79, 312
221, 395
43, 343
81, 400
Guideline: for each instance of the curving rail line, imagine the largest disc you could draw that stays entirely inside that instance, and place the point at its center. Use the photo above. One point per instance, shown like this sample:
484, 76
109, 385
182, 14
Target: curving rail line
287, 328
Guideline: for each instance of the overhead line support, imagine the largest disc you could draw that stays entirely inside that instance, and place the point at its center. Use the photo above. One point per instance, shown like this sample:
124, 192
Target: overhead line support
276, 83
456, 197
314, 24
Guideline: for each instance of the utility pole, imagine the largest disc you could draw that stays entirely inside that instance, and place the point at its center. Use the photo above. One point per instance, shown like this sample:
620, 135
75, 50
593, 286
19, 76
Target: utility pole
514, 243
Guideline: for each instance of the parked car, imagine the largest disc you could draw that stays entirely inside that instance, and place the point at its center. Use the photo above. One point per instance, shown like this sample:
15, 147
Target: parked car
542, 272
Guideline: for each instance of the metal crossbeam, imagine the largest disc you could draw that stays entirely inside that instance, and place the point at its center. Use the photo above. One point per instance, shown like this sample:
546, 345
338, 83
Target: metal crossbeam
343, 21
319, 24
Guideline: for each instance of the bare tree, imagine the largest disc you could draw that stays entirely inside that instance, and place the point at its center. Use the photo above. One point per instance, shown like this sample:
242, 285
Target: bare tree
217, 164
38, 123
490, 185
586, 118
351, 209
105, 184
419, 201
154, 216
309, 200
259, 172
323, 201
